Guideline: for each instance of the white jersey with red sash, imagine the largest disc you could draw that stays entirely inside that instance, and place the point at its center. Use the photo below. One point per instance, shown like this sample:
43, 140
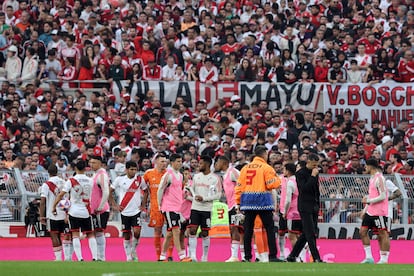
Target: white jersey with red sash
363, 60
129, 193
97, 191
49, 190
79, 187
208, 75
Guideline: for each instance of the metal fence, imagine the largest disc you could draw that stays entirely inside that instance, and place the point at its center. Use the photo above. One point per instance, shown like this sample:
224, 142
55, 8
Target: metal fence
340, 195
341, 198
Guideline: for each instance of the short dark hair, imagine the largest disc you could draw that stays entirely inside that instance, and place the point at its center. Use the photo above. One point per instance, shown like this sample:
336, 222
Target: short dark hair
372, 162
313, 157
52, 169
80, 165
207, 159
131, 164
174, 157
290, 167
260, 151
224, 159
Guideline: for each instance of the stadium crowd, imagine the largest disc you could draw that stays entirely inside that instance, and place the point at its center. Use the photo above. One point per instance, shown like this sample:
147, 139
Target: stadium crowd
46, 44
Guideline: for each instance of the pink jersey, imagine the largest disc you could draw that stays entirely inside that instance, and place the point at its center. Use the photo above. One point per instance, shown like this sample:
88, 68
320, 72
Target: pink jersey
283, 186
293, 213
186, 206
229, 182
379, 208
96, 195
172, 198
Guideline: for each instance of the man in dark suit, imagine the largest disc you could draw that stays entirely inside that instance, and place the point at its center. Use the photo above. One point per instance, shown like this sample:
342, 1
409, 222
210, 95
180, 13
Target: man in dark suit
308, 204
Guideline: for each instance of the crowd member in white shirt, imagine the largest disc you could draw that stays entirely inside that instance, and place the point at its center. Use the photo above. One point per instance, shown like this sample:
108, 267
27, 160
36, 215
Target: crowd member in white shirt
13, 64
168, 71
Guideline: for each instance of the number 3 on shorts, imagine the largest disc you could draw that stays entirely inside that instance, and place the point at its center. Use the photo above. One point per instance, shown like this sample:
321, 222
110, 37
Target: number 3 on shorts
250, 174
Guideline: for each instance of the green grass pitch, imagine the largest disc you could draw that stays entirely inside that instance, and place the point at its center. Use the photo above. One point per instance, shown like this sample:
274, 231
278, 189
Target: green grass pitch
199, 269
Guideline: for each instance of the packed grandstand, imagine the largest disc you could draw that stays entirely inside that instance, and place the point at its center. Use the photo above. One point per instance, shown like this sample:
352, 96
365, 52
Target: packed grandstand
72, 74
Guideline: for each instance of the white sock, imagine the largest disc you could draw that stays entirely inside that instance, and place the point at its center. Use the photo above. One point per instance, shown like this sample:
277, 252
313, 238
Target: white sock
256, 252
101, 243
302, 255
163, 256
368, 252
242, 251
192, 240
134, 246
93, 247
67, 250
58, 253
181, 254
264, 257
77, 248
206, 247
235, 248
127, 249
282, 242
384, 256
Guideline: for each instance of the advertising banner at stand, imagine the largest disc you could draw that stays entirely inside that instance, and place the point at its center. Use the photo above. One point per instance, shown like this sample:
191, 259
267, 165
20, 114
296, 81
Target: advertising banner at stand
386, 102
300, 96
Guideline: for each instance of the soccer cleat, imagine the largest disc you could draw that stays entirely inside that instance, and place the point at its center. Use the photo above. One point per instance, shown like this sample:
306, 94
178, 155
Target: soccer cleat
382, 262
186, 260
232, 260
170, 259
368, 261
163, 261
204, 259
319, 261
276, 260
134, 259
246, 261
291, 259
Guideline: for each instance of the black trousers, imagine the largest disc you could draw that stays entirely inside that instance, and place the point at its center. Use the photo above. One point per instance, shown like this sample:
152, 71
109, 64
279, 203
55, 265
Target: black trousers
267, 220
309, 228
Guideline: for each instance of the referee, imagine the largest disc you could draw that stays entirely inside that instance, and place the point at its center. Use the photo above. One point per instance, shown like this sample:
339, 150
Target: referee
307, 180
253, 194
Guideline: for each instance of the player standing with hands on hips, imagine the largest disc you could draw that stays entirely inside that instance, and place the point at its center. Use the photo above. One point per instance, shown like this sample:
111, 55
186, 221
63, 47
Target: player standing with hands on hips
254, 197
307, 179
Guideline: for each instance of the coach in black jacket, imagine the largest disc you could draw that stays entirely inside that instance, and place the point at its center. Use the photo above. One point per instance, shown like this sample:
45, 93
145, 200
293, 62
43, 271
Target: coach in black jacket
308, 204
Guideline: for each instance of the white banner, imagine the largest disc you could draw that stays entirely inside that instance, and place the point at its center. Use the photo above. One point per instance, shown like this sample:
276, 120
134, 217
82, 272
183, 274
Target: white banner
300, 96
386, 102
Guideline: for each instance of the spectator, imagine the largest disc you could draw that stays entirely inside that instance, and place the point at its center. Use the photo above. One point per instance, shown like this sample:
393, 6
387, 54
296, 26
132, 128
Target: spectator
13, 64
86, 71
245, 71
30, 66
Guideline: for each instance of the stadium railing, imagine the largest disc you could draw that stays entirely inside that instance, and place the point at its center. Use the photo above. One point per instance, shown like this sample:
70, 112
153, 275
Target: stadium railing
340, 194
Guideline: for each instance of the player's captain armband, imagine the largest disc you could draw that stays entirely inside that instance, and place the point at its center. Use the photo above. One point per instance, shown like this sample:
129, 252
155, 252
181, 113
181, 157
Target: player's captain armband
270, 181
